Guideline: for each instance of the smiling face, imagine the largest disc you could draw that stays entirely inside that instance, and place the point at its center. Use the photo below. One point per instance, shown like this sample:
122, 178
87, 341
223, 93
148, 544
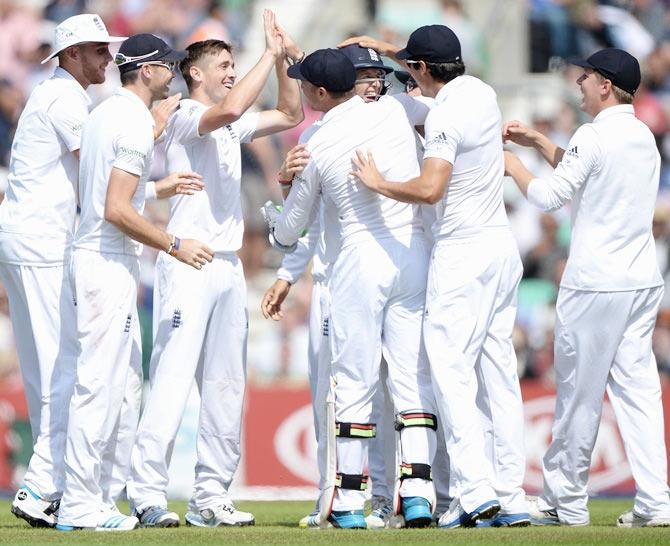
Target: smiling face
217, 74
593, 90
369, 83
161, 77
94, 58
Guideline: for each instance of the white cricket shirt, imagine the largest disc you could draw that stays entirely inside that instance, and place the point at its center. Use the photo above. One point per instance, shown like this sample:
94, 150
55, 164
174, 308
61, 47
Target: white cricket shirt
381, 128
37, 216
610, 171
464, 128
213, 215
118, 133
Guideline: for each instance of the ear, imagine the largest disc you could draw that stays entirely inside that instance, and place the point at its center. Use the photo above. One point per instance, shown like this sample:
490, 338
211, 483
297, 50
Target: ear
196, 73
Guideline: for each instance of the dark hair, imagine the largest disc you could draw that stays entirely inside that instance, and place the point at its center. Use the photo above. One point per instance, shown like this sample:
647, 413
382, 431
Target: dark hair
196, 51
129, 77
445, 72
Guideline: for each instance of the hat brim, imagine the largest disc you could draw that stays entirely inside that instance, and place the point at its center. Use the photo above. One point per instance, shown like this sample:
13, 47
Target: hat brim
96, 40
294, 72
403, 76
403, 55
580, 62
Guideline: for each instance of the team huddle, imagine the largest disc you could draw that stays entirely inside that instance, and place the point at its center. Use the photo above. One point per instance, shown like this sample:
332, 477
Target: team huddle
396, 201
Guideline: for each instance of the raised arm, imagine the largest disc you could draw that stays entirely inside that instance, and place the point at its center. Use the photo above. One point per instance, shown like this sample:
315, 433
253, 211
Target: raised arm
244, 93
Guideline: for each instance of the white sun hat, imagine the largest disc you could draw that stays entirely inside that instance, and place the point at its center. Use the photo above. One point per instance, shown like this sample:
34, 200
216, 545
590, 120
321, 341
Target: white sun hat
80, 29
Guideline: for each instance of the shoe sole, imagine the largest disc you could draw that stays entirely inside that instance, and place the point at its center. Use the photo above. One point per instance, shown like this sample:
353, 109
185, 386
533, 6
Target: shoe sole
418, 523
521, 523
239, 524
161, 524
486, 513
33, 521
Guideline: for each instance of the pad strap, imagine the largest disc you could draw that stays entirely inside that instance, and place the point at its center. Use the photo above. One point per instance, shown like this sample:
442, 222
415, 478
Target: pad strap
415, 419
357, 482
415, 470
355, 430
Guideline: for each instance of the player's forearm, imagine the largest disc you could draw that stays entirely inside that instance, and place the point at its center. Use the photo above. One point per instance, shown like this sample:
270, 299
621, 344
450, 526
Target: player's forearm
126, 219
551, 152
520, 174
413, 191
288, 96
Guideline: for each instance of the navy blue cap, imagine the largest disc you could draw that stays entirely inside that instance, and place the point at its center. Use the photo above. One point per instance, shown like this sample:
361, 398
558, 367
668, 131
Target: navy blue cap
364, 57
403, 76
327, 68
145, 48
617, 65
433, 44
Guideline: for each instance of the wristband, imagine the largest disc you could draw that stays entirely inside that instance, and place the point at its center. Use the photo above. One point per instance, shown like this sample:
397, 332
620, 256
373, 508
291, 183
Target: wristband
296, 61
174, 246
284, 182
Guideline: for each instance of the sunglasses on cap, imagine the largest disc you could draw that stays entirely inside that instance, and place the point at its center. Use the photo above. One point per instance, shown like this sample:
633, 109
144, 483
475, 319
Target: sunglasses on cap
120, 59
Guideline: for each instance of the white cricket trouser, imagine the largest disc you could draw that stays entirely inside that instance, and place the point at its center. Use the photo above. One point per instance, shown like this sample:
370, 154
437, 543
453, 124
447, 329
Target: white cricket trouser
377, 298
603, 342
106, 294
43, 316
470, 312
116, 460
381, 462
314, 348
201, 333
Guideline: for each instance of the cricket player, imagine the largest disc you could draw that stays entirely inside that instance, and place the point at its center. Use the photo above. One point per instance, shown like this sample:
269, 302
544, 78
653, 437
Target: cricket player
370, 85
373, 288
474, 273
201, 317
37, 220
609, 294
117, 144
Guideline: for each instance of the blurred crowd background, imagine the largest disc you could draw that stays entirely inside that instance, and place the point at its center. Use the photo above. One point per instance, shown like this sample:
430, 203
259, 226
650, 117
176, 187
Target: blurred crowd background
518, 46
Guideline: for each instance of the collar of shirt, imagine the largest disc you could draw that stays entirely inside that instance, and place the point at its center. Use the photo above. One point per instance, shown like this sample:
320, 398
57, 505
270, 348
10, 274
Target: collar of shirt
122, 91
62, 74
341, 108
450, 87
613, 111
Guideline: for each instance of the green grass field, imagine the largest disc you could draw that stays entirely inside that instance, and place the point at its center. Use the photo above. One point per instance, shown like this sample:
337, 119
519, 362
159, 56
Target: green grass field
276, 524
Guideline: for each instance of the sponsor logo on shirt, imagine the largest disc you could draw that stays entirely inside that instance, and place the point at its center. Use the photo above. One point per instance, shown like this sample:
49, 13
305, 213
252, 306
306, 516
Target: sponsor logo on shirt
176, 318
76, 128
129, 320
232, 133
572, 152
324, 327
129, 151
437, 142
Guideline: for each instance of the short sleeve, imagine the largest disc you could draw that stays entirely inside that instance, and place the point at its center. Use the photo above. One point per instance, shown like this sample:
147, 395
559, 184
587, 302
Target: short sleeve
443, 136
245, 127
133, 150
185, 122
67, 116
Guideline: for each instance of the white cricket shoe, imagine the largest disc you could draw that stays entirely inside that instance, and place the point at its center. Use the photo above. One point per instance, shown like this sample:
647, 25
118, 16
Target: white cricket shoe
381, 515
224, 515
157, 516
112, 521
38, 512
631, 519
310, 521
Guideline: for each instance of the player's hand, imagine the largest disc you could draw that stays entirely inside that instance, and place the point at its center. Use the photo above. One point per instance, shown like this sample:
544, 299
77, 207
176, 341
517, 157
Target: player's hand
296, 160
366, 170
162, 111
179, 184
273, 40
273, 299
520, 134
383, 48
194, 253
293, 51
